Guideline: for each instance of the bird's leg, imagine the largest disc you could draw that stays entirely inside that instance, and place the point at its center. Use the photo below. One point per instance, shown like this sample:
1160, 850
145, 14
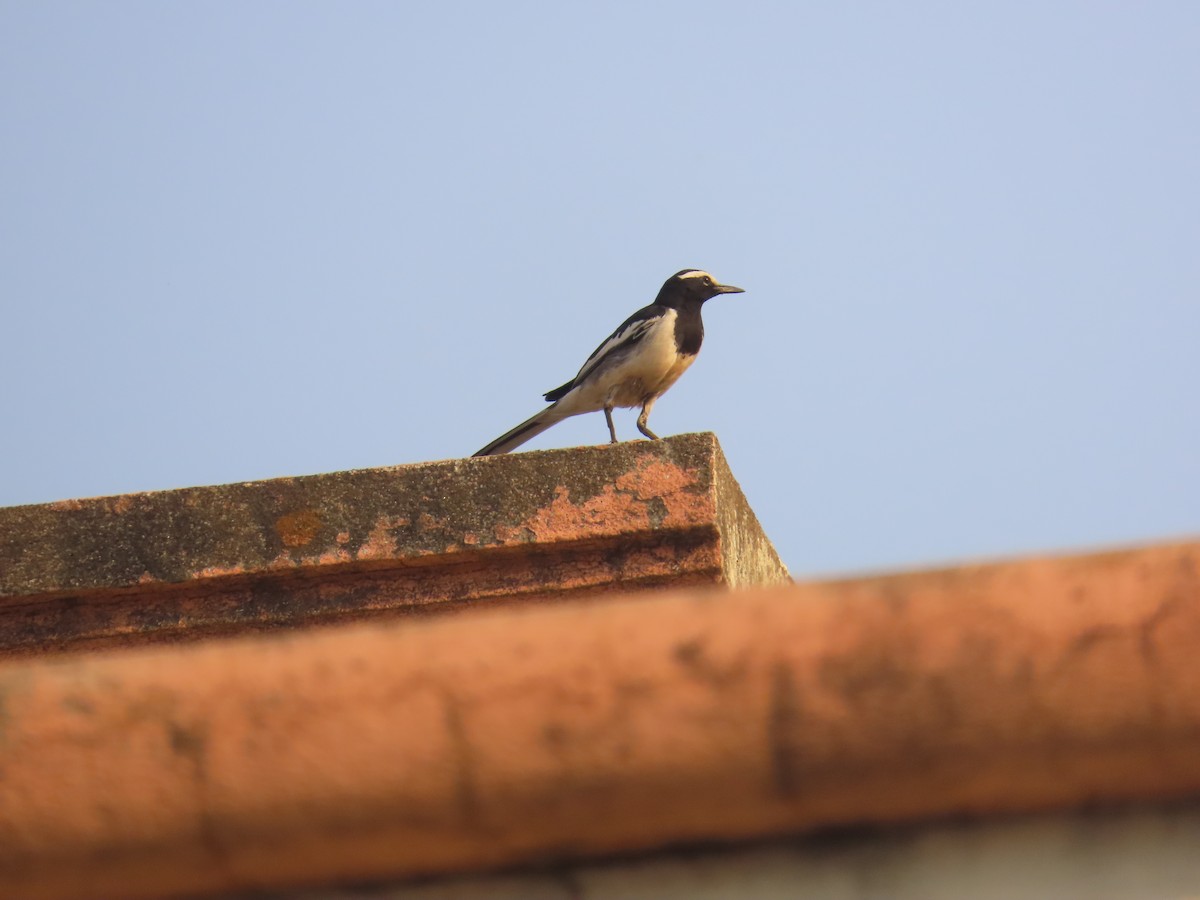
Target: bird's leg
612, 432
644, 418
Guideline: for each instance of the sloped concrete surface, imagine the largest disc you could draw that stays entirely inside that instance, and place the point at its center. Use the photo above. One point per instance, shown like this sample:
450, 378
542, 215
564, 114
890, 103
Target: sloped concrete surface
199, 562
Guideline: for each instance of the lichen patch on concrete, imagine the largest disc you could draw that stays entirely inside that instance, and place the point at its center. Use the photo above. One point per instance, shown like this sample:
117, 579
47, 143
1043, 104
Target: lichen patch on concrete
300, 528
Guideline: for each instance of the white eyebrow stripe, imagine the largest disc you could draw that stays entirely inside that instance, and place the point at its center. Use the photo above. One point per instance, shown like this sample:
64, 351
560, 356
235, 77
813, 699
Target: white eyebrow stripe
696, 274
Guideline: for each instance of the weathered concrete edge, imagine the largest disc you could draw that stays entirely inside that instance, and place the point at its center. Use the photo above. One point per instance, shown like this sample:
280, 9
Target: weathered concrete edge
748, 556
225, 606
577, 731
401, 513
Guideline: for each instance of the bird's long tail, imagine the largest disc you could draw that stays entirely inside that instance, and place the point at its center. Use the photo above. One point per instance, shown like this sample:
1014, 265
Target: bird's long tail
526, 431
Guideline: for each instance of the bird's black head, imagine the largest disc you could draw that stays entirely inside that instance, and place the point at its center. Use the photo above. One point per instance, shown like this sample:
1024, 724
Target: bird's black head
692, 286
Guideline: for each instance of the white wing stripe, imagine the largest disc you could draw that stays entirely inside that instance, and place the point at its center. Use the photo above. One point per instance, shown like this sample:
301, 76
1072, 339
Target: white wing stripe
614, 343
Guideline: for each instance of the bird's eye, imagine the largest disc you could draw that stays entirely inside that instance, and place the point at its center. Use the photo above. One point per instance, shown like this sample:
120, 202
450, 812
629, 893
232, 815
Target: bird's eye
707, 281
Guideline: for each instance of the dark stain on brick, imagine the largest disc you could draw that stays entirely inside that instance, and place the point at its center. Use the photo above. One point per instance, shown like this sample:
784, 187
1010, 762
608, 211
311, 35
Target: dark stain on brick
77, 703
874, 676
190, 742
688, 652
555, 736
784, 724
187, 742
4, 714
467, 789
1087, 641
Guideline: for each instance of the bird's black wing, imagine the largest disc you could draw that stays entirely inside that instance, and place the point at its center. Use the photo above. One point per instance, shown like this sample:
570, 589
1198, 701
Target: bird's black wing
627, 335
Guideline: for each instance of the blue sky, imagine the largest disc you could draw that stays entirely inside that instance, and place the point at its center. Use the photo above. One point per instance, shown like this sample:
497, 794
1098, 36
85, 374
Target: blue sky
244, 240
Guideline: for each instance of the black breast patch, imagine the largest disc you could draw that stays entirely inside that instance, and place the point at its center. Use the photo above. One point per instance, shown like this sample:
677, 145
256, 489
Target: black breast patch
689, 331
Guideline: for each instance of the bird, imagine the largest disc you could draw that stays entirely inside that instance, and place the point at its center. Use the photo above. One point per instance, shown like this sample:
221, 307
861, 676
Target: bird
634, 366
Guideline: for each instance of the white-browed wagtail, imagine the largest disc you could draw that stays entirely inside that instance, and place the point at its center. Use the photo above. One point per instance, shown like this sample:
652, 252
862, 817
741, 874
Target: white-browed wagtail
635, 366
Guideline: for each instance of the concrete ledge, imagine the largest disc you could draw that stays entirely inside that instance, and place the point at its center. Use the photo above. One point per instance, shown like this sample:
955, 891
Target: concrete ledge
523, 735
208, 561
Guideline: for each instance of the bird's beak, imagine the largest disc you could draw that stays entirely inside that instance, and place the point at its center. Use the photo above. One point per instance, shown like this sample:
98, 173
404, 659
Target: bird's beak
728, 289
